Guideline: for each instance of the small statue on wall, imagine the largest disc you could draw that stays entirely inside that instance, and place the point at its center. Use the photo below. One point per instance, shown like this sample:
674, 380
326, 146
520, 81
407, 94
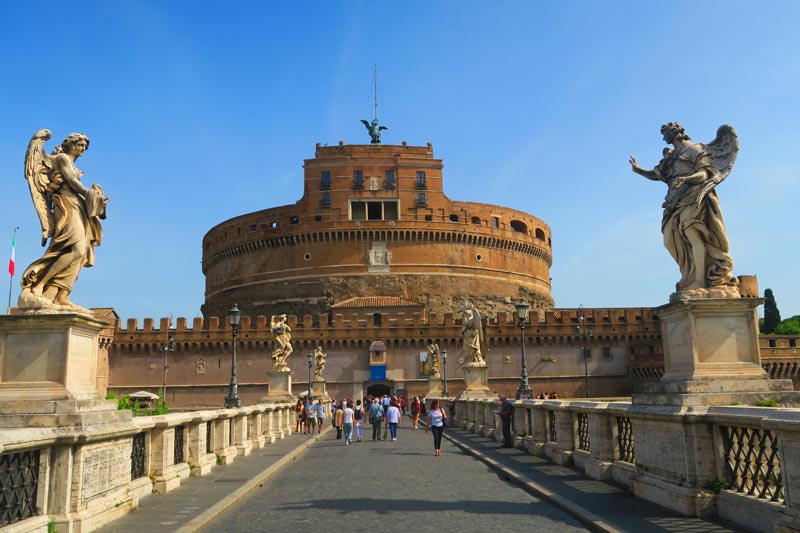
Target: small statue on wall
70, 215
694, 233
319, 361
472, 330
433, 360
282, 336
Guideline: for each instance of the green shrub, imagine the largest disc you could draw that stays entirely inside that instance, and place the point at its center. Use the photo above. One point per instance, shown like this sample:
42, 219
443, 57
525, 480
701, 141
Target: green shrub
767, 403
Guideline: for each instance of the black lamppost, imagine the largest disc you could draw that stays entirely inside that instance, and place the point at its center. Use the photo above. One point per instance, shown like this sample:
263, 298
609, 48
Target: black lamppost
524, 392
310, 364
582, 334
445, 392
167, 348
232, 399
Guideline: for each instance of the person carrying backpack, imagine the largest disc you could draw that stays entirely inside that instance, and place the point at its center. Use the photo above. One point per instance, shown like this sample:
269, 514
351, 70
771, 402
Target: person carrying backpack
359, 420
415, 412
376, 418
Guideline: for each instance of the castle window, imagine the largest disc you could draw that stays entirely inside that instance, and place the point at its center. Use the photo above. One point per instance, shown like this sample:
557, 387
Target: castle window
606, 352
495, 222
453, 218
421, 183
428, 218
519, 226
374, 210
539, 234
389, 183
325, 201
326, 180
421, 199
376, 319
294, 220
358, 179
476, 221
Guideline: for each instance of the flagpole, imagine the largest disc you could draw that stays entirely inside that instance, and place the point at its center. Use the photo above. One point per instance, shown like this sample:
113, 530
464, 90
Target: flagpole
11, 268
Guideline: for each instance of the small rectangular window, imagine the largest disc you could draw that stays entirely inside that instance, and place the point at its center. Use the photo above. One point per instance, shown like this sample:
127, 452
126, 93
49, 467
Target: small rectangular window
422, 199
421, 183
358, 179
495, 222
606, 352
326, 199
326, 180
389, 183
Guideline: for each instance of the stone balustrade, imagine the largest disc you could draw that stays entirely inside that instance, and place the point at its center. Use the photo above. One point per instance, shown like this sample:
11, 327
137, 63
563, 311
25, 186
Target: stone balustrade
93, 475
738, 463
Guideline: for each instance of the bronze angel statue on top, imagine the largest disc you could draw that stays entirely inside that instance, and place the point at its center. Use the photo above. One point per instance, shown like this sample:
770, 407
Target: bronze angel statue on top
374, 130
694, 233
70, 215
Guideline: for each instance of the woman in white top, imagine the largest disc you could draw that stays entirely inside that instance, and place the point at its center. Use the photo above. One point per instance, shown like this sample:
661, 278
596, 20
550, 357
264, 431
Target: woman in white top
436, 420
348, 419
393, 417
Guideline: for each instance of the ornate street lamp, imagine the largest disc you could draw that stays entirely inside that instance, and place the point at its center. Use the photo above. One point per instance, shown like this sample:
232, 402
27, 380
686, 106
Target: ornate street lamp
232, 399
524, 391
310, 364
167, 348
445, 392
582, 334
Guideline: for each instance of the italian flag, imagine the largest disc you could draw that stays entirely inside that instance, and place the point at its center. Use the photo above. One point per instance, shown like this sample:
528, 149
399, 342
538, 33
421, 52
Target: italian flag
11, 261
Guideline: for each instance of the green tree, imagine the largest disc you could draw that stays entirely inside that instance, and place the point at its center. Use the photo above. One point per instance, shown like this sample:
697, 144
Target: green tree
772, 317
790, 326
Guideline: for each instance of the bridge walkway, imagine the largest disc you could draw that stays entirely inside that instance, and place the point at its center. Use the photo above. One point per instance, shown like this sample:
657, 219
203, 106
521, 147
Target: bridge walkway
399, 486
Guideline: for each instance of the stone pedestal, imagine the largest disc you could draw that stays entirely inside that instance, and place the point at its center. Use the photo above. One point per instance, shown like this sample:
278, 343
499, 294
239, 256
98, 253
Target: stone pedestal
477, 383
435, 386
319, 389
711, 356
48, 372
280, 386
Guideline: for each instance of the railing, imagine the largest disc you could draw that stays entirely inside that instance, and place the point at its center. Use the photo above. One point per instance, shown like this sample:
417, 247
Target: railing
584, 441
625, 439
752, 464
735, 457
96, 465
19, 480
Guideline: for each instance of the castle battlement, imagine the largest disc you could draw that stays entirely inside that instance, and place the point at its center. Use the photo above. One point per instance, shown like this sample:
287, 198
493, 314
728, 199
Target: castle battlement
398, 319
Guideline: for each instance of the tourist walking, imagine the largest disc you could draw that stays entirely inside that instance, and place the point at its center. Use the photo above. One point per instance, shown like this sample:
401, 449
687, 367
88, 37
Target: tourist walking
358, 415
348, 418
415, 412
338, 420
376, 419
506, 412
393, 418
436, 420
298, 409
320, 412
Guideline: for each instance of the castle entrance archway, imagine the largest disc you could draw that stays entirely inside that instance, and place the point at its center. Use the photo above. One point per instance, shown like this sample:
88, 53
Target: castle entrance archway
378, 389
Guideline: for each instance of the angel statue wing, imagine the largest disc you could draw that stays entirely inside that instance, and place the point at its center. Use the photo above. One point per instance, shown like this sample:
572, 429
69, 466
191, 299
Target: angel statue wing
42, 182
722, 151
367, 124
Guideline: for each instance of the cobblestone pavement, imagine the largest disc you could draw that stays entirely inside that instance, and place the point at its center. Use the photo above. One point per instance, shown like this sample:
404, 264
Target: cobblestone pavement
390, 486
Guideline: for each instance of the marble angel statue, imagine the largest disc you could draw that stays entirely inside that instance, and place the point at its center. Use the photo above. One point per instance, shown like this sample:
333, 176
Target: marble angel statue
472, 330
694, 233
319, 361
433, 360
70, 215
282, 335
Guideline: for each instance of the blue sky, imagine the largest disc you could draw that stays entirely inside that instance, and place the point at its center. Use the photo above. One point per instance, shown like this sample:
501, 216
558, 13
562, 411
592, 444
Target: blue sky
200, 111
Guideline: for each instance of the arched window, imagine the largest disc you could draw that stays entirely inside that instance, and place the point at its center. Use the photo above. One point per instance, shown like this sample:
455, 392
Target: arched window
518, 225
476, 221
540, 234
